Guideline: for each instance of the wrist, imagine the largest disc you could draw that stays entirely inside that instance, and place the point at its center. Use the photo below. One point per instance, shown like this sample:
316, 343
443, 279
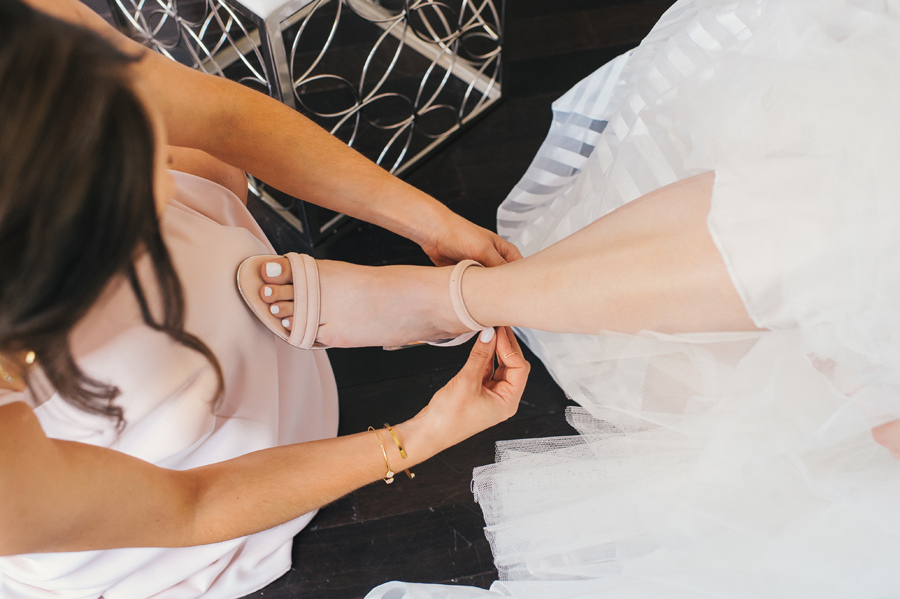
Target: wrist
418, 439
422, 220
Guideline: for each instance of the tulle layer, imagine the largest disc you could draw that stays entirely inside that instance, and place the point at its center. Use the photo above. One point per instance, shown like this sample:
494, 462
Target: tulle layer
714, 466
695, 474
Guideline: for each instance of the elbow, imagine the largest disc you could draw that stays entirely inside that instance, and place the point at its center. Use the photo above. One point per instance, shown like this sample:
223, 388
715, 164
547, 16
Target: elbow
18, 534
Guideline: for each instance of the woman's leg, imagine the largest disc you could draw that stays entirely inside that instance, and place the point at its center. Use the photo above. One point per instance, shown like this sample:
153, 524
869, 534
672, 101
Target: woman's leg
651, 265
648, 265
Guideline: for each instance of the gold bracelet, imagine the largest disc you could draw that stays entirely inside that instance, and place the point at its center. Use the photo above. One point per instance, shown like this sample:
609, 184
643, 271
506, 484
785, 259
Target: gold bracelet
400, 447
389, 475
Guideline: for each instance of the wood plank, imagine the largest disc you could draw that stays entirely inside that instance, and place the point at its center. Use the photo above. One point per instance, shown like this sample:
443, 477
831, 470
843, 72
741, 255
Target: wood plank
560, 33
431, 545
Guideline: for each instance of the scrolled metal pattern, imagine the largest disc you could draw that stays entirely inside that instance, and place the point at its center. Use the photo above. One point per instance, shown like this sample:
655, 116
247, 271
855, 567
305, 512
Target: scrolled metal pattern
349, 60
392, 78
420, 50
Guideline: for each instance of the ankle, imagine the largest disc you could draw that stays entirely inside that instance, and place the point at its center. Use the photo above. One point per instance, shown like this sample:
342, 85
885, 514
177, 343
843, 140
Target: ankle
433, 301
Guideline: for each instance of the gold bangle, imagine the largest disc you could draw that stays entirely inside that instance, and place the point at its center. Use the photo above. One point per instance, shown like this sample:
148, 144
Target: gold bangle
389, 475
400, 447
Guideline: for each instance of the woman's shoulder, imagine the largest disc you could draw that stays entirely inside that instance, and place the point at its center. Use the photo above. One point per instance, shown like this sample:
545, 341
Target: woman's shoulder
8, 396
13, 389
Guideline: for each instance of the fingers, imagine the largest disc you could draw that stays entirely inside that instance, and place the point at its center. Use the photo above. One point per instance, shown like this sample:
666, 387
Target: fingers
472, 241
473, 400
481, 358
509, 352
508, 382
484, 337
506, 249
441, 260
491, 257
498, 252
514, 368
513, 373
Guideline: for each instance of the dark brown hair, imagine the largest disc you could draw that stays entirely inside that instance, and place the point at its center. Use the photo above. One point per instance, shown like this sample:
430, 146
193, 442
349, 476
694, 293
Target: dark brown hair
76, 197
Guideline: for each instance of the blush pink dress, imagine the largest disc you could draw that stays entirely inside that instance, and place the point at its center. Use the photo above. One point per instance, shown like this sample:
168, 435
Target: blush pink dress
274, 395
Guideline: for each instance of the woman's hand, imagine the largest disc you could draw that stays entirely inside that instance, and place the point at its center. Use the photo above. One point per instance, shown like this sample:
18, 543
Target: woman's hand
455, 239
480, 396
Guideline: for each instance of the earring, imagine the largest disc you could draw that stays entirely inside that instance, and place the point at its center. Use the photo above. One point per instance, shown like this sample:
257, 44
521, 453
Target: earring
5, 374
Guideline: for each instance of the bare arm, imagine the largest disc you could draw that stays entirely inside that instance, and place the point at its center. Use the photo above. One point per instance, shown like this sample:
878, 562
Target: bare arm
65, 496
259, 135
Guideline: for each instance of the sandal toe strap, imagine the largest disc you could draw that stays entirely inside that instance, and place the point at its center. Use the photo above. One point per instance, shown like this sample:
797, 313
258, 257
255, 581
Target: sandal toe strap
306, 300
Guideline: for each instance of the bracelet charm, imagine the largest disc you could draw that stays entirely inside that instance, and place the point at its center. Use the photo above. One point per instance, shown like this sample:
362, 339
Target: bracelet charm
388, 477
400, 447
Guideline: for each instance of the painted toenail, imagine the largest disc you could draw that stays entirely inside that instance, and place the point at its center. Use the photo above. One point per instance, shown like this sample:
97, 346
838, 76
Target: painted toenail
273, 269
286, 323
486, 335
267, 291
275, 309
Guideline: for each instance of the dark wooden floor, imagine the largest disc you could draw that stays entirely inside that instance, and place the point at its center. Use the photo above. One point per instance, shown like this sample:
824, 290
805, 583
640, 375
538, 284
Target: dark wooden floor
429, 529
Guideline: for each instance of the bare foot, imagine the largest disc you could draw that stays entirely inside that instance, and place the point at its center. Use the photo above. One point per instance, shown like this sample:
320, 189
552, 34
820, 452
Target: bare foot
369, 306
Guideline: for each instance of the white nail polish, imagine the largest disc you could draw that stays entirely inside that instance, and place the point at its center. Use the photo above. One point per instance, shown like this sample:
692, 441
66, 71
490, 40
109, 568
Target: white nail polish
274, 309
267, 291
286, 322
273, 269
486, 335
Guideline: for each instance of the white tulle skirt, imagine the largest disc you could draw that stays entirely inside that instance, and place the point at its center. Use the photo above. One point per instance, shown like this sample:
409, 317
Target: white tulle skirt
722, 465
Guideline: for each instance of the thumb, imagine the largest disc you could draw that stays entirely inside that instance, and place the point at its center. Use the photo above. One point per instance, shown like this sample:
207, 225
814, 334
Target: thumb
508, 250
492, 257
481, 356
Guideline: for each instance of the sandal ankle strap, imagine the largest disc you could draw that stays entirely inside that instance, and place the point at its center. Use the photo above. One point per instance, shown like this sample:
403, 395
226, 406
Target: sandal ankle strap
456, 297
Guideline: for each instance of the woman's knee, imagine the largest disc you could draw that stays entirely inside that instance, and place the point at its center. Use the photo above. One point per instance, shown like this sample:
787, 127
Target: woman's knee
197, 162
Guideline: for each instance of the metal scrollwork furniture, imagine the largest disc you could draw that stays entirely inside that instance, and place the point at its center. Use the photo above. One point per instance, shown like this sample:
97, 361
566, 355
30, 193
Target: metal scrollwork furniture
392, 78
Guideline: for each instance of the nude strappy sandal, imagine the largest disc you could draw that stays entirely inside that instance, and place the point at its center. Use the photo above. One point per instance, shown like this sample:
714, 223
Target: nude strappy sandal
307, 300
